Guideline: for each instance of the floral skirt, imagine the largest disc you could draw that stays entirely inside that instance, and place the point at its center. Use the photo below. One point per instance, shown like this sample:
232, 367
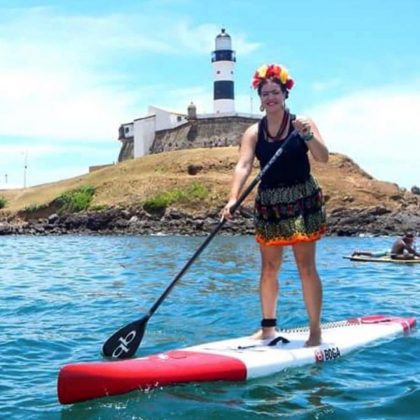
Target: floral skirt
288, 215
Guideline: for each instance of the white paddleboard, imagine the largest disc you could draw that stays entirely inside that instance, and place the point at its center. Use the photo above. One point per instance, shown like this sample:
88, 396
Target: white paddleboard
236, 359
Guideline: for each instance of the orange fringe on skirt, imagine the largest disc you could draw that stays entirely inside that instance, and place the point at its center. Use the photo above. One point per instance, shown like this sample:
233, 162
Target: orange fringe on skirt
295, 239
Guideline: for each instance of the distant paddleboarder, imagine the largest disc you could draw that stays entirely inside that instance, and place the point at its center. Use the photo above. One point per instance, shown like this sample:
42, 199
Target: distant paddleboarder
403, 248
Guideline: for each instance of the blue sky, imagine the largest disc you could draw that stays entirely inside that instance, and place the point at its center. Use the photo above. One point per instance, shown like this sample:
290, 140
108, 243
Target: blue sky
72, 71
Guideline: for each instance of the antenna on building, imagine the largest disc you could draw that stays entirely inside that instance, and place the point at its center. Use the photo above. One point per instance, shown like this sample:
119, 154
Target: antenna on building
25, 167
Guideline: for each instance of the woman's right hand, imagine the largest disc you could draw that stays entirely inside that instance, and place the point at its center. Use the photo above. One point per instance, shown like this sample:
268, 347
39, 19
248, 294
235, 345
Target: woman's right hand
226, 214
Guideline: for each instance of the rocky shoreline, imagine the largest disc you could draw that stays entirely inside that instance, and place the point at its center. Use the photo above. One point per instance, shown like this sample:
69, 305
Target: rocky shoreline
374, 221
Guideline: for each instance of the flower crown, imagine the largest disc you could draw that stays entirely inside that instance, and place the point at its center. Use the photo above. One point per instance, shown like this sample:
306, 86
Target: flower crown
275, 71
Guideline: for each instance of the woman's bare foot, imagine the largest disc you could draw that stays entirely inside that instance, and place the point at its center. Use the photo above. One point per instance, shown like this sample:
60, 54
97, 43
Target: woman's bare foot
314, 338
264, 333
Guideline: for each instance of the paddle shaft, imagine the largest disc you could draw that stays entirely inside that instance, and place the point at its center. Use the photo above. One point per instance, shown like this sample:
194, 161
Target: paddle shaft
209, 238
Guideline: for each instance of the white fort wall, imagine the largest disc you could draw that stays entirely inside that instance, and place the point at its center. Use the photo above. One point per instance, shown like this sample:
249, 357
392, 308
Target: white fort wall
144, 134
146, 128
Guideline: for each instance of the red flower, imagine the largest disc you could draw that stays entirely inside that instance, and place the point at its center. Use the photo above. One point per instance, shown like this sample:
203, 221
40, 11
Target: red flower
289, 84
256, 80
274, 71
271, 71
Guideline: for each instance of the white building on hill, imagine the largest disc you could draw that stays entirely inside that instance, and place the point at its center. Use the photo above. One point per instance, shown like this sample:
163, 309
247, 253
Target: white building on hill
142, 130
138, 136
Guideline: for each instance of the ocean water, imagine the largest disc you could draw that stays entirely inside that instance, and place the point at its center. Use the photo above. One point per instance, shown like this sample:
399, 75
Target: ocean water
61, 297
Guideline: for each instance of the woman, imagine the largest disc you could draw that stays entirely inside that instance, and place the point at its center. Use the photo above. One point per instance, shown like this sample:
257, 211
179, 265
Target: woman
289, 206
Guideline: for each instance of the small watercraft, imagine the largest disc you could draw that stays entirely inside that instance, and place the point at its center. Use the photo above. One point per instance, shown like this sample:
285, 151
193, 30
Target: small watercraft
237, 359
385, 258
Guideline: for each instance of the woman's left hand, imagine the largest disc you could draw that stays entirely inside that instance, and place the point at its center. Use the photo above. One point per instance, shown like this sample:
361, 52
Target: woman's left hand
309, 132
303, 126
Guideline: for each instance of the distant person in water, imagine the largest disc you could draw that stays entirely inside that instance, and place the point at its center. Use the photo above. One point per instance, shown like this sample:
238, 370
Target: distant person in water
403, 248
377, 254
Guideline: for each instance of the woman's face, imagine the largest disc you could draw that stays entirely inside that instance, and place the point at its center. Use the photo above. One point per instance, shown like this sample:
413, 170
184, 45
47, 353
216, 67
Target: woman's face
272, 96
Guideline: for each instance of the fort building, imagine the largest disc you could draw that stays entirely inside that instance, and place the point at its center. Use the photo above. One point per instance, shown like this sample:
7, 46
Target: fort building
162, 130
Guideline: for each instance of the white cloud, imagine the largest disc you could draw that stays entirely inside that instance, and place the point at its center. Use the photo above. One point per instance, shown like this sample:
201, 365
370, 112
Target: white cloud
50, 86
68, 81
379, 129
57, 105
58, 79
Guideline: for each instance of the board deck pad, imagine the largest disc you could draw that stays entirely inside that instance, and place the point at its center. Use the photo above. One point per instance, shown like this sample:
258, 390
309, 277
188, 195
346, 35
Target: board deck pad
237, 359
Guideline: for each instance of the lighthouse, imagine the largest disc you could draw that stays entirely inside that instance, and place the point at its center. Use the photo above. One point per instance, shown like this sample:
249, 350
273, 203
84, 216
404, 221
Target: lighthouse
223, 59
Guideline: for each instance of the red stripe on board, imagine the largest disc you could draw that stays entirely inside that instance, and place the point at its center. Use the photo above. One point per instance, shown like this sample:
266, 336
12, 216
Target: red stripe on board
406, 323
84, 381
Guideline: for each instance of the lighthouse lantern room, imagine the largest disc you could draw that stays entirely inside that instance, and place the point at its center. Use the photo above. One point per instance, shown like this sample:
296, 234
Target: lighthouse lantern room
223, 59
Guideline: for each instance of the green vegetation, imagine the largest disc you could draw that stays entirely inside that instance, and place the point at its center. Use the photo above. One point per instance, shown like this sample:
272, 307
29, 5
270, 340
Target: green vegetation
75, 200
3, 202
159, 202
32, 208
99, 207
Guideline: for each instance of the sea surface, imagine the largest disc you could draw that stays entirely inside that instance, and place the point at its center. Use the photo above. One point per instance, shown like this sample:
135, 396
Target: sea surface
62, 297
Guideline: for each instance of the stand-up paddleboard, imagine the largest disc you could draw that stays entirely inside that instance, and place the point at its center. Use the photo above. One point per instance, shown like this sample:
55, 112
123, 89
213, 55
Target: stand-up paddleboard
236, 359
386, 258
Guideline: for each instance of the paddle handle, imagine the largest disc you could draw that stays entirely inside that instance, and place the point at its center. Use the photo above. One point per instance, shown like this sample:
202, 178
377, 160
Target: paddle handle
209, 238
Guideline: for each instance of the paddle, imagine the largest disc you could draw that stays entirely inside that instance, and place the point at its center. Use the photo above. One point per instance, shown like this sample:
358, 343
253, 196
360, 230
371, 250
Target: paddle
125, 342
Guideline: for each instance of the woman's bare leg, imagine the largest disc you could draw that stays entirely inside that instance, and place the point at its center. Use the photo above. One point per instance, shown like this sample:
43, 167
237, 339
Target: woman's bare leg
271, 258
312, 288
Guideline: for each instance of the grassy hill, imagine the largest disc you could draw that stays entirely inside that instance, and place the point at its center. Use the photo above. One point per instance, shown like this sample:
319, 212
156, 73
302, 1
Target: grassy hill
133, 182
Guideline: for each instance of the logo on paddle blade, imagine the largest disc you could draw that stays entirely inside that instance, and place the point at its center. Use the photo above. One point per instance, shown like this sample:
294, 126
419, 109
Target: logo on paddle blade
124, 346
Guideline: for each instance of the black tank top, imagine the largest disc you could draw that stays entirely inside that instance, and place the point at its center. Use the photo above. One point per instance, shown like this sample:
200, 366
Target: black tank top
291, 167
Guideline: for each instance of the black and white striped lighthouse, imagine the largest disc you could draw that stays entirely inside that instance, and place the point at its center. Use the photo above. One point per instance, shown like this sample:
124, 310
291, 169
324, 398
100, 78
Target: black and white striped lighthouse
223, 59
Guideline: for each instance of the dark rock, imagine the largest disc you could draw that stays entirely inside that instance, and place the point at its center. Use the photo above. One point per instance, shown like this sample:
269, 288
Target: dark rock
194, 169
99, 221
6, 229
74, 221
53, 218
376, 211
343, 221
397, 197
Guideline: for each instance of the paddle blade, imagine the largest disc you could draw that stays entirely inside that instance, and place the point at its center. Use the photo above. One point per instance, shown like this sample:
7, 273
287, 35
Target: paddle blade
125, 342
